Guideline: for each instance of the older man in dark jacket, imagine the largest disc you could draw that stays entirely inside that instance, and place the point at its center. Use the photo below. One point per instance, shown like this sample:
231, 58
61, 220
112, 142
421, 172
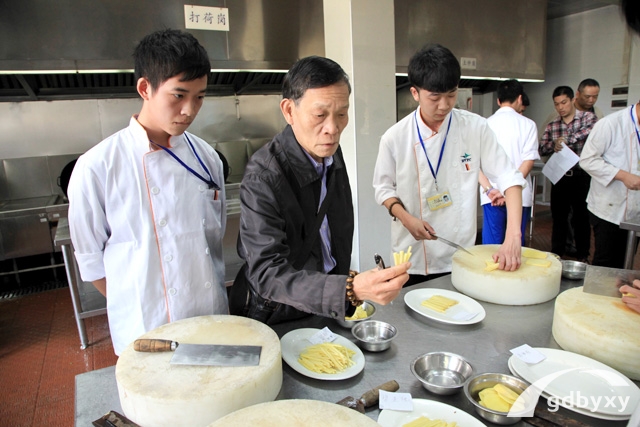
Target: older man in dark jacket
297, 223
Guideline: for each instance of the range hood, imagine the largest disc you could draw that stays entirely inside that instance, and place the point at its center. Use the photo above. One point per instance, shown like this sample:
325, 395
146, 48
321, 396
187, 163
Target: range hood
81, 49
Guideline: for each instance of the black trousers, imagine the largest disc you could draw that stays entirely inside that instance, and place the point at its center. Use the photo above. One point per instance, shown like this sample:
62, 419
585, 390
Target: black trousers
610, 243
567, 194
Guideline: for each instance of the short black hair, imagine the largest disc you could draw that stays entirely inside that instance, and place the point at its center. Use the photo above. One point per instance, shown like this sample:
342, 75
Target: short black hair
587, 82
563, 90
167, 53
310, 73
631, 12
434, 68
509, 91
525, 99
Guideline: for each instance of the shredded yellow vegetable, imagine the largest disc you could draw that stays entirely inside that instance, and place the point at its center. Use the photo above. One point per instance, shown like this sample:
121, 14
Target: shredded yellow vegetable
428, 422
533, 253
326, 358
439, 303
402, 256
539, 262
491, 265
358, 314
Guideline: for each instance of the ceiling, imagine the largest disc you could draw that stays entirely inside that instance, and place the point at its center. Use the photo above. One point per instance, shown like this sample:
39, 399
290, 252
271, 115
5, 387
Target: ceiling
559, 8
34, 87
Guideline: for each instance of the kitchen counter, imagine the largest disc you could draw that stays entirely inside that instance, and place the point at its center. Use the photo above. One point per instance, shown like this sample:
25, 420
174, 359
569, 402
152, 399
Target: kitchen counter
486, 345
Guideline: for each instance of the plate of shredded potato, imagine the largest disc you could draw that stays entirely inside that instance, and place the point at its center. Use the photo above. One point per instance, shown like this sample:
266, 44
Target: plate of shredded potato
428, 413
336, 360
445, 306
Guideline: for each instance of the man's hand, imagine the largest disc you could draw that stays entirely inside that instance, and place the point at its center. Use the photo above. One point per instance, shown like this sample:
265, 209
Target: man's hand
631, 295
557, 144
509, 256
381, 286
419, 229
631, 181
496, 197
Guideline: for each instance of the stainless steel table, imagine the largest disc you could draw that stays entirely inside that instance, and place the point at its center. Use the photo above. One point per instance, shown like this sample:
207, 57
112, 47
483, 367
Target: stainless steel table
86, 300
630, 252
486, 345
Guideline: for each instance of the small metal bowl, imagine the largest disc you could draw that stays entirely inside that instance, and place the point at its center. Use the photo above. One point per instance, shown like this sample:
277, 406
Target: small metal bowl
574, 270
368, 307
374, 335
482, 381
441, 372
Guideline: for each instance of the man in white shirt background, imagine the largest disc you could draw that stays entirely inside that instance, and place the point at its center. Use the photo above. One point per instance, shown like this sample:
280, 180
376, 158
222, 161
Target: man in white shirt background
519, 138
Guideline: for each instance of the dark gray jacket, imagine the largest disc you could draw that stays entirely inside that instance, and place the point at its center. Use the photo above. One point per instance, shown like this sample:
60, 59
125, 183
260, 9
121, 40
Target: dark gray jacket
279, 198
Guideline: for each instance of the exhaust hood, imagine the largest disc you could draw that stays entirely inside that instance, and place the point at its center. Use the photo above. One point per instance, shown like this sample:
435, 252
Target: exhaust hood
79, 49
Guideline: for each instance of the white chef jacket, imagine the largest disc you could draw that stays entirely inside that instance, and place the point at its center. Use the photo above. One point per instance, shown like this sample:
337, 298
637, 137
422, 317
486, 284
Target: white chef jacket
153, 229
611, 146
402, 171
519, 138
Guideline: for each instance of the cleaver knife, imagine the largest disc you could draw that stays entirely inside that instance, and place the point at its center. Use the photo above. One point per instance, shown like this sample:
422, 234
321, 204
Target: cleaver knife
450, 243
202, 354
606, 281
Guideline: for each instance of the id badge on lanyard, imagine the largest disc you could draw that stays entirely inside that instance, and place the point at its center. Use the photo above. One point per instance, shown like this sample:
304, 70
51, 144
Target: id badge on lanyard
439, 201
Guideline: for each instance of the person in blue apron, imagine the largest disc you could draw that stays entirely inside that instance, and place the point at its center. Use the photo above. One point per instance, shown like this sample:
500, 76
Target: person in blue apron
147, 205
427, 170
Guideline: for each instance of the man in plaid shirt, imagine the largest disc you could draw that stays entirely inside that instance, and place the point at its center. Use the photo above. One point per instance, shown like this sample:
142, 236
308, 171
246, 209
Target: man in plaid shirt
572, 128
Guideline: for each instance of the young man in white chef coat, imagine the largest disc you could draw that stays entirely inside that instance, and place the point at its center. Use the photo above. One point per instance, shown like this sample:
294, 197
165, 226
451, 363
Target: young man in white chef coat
147, 205
438, 151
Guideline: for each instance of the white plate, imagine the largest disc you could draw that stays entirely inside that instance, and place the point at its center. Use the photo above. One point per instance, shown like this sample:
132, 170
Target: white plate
294, 343
428, 408
588, 377
575, 409
465, 304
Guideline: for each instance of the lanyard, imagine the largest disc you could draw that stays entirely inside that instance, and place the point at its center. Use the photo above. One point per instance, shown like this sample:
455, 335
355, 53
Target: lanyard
210, 182
634, 123
435, 174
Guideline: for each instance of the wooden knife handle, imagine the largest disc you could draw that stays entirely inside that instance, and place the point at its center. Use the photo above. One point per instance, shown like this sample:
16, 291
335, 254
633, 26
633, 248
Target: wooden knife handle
372, 396
148, 345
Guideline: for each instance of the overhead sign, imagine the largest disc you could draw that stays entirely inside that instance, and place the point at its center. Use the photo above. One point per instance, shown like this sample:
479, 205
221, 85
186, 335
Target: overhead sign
206, 18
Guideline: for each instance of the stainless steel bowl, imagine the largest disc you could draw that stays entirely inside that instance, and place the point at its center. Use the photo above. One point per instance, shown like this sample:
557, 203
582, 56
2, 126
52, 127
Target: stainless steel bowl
368, 307
374, 335
574, 270
482, 381
441, 372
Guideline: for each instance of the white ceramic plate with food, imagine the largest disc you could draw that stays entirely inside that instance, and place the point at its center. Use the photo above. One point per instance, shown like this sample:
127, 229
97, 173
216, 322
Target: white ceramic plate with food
430, 409
575, 409
457, 315
293, 343
580, 383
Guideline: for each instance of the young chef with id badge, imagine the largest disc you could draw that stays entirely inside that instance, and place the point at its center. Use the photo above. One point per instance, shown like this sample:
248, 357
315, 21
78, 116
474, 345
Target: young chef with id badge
427, 170
146, 205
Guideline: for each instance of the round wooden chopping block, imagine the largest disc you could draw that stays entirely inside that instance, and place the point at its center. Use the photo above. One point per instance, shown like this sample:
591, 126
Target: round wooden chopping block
530, 284
599, 327
155, 393
296, 412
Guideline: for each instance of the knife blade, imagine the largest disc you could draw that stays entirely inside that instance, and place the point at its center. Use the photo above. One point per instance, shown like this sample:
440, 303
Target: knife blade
202, 354
607, 281
450, 243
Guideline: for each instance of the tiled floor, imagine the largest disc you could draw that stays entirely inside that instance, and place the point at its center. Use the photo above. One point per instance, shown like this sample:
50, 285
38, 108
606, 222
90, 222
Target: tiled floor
40, 356
40, 351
